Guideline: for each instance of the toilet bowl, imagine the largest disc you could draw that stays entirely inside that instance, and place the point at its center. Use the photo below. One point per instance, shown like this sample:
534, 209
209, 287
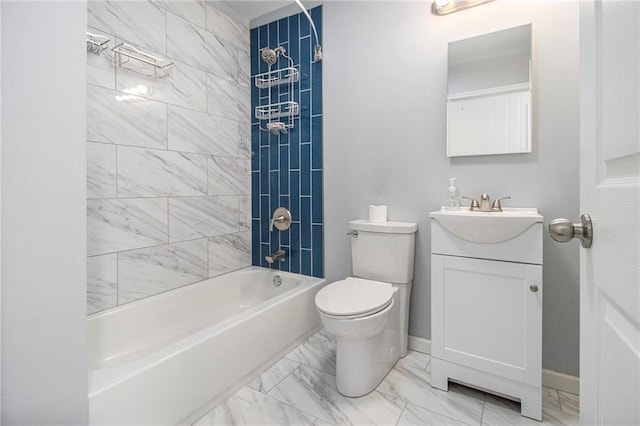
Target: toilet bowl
368, 313
358, 312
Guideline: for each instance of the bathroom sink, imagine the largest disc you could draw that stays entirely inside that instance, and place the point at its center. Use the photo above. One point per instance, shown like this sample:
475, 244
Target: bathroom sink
487, 227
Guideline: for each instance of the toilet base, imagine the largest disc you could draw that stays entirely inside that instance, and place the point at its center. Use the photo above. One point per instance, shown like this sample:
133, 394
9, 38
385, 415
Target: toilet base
361, 364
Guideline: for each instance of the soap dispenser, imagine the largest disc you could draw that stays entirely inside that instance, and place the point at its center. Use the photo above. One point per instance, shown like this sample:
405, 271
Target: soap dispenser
453, 202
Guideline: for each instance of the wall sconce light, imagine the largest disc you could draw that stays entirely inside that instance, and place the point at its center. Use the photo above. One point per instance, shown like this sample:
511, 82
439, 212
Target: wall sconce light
445, 7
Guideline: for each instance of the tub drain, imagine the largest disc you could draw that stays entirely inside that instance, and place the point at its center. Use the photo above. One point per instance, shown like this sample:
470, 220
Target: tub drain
277, 281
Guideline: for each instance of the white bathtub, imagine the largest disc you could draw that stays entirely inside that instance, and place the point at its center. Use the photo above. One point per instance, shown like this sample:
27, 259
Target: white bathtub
170, 358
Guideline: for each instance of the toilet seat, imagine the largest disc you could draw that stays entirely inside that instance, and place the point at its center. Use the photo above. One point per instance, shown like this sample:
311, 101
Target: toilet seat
353, 298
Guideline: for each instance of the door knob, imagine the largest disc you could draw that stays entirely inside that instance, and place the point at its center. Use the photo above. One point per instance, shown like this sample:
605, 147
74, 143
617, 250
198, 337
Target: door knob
563, 230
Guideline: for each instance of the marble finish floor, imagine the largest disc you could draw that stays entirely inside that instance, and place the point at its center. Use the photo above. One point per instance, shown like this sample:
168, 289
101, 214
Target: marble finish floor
300, 390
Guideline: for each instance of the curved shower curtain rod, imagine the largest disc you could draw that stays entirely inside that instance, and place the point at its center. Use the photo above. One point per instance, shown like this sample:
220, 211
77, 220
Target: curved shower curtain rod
317, 49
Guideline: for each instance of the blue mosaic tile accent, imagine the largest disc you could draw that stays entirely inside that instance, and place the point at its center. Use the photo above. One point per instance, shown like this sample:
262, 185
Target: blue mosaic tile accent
305, 221
294, 188
294, 254
316, 252
255, 236
287, 169
305, 169
316, 15
272, 28
294, 48
316, 197
316, 142
306, 262
255, 54
283, 31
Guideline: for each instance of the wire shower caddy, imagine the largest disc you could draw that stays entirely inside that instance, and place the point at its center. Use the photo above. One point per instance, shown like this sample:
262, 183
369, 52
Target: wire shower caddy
279, 116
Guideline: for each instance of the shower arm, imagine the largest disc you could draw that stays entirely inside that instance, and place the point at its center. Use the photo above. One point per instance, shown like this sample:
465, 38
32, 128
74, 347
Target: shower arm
317, 49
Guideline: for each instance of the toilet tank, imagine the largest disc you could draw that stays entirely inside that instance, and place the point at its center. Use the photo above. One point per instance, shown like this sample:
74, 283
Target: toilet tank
383, 251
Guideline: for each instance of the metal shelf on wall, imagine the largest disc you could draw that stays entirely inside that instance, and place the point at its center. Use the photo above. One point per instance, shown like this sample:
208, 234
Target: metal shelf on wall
277, 110
133, 59
97, 43
276, 77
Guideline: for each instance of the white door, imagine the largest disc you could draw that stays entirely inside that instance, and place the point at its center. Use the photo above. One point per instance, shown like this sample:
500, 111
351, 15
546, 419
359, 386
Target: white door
610, 193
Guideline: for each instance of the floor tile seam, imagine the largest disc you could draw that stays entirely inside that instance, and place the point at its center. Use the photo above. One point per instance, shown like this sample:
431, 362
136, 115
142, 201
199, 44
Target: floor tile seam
285, 377
558, 411
300, 409
400, 397
445, 415
484, 404
468, 418
304, 361
291, 359
428, 362
560, 404
279, 401
274, 387
318, 370
297, 348
389, 394
551, 403
569, 411
406, 404
407, 362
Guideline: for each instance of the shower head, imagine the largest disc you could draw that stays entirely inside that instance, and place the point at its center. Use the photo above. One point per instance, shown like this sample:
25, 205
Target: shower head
269, 55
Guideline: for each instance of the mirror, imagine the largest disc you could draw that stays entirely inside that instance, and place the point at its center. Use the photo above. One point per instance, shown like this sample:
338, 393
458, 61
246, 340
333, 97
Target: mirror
489, 107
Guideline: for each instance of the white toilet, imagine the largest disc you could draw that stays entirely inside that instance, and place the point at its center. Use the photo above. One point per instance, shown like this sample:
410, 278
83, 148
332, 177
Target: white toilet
369, 313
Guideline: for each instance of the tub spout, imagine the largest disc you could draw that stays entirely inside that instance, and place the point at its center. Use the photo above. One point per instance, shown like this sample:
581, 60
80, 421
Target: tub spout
279, 255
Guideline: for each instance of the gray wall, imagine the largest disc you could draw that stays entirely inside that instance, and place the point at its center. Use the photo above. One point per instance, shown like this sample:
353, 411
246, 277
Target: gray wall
43, 213
385, 110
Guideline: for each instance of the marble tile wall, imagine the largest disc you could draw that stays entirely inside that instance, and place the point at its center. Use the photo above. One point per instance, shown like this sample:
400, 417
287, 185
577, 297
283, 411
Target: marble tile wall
287, 169
168, 178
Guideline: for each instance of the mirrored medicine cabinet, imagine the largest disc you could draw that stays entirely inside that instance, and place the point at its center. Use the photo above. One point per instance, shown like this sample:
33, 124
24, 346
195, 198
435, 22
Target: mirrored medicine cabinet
489, 107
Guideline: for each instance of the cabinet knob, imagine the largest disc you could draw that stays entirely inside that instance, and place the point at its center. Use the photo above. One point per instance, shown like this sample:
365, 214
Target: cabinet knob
533, 288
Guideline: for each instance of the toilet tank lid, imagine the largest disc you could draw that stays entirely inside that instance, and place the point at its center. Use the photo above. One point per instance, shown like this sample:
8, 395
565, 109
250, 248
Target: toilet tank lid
384, 227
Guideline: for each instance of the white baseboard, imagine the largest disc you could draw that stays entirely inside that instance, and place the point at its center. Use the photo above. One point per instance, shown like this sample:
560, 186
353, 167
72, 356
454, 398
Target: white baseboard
419, 344
560, 381
550, 378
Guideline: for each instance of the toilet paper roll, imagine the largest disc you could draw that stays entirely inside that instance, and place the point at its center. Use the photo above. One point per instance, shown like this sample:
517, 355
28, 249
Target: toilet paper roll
377, 213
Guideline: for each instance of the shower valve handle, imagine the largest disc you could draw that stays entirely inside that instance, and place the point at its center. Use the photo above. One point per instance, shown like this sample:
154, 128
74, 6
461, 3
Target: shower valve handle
281, 219
278, 219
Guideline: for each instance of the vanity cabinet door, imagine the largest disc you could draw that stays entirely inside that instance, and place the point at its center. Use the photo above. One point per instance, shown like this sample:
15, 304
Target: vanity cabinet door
487, 315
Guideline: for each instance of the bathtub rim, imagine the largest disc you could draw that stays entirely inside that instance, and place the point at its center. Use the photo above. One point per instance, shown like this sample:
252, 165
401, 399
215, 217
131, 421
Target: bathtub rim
167, 293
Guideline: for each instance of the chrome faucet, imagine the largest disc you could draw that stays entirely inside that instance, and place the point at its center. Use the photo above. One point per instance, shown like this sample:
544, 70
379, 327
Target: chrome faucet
485, 204
278, 255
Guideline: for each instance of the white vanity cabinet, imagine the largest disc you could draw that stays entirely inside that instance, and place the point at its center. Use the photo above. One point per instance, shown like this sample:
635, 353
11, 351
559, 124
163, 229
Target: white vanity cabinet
486, 314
